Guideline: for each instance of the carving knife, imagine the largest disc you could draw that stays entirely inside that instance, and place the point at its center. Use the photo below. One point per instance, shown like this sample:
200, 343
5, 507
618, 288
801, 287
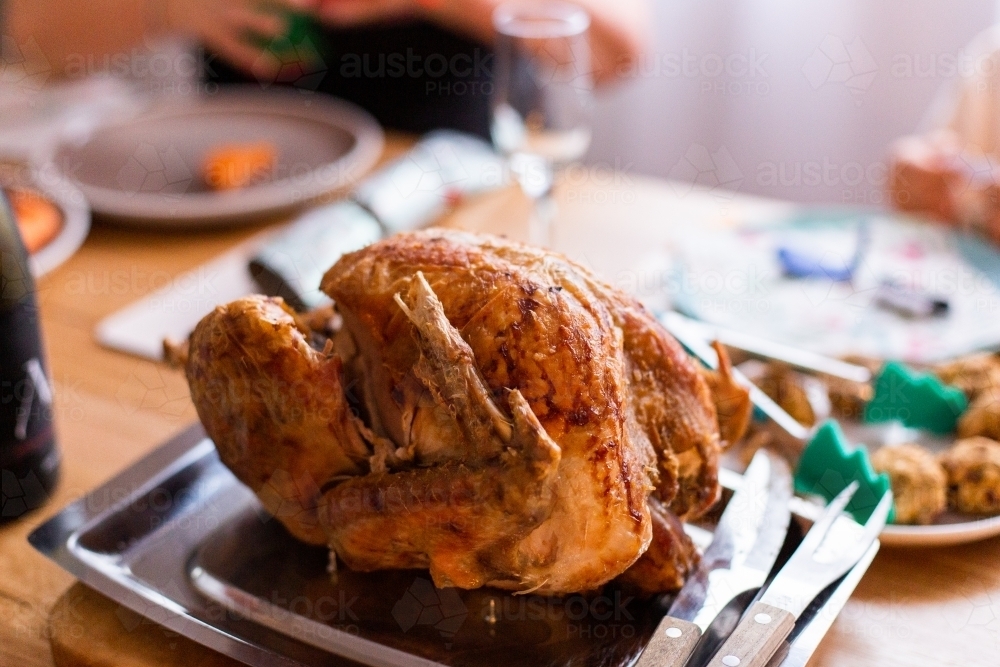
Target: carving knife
829, 550
746, 543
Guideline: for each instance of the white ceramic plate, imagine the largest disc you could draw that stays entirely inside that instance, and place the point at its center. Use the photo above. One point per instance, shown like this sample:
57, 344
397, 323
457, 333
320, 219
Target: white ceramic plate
950, 527
71, 202
148, 170
941, 534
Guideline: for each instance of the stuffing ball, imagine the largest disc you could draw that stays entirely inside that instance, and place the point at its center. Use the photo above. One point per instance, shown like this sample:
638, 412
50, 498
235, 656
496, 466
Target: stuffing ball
919, 483
973, 468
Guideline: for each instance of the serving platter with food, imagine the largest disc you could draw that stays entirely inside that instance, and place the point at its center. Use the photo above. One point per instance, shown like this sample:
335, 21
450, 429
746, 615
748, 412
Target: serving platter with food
940, 451
176, 533
476, 423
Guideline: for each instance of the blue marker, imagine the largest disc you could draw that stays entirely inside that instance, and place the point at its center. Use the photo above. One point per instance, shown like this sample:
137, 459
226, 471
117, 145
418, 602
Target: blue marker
797, 263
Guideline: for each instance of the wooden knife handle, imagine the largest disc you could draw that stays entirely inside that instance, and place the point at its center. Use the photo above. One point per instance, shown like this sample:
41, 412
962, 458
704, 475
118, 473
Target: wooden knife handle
756, 639
671, 645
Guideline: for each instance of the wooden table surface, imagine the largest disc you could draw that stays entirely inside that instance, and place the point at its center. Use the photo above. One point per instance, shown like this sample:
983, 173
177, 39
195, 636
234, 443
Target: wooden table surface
914, 608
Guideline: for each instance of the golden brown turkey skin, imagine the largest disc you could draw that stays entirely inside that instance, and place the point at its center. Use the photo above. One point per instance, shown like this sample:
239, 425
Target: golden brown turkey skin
732, 400
479, 274
274, 407
510, 421
670, 557
627, 408
462, 522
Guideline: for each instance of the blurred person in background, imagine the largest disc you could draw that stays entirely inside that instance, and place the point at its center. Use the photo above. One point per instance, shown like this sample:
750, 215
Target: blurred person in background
415, 65
951, 170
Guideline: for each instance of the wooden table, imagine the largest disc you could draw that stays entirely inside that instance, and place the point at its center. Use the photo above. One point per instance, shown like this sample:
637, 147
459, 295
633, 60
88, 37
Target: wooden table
914, 608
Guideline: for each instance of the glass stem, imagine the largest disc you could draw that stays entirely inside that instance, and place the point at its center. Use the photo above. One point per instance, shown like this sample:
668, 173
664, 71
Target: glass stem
536, 176
540, 231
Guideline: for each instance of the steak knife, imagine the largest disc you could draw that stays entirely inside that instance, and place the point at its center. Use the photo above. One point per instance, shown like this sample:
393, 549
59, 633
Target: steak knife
747, 540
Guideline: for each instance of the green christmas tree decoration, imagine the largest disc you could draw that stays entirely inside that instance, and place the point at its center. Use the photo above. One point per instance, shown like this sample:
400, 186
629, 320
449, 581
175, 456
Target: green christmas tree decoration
919, 400
300, 41
302, 28
829, 464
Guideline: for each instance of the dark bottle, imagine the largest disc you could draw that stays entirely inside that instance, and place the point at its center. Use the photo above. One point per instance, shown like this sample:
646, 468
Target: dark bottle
29, 460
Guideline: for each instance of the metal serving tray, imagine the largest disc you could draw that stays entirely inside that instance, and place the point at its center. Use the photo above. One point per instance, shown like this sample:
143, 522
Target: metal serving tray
179, 540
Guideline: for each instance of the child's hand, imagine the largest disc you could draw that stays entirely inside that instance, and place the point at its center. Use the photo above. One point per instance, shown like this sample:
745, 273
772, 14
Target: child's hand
230, 26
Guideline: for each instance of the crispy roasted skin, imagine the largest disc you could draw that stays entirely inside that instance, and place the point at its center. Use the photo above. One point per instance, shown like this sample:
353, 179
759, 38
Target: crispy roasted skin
275, 408
520, 423
626, 406
732, 400
669, 559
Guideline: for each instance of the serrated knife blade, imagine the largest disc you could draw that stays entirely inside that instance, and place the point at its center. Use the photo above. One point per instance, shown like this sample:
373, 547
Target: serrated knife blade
746, 543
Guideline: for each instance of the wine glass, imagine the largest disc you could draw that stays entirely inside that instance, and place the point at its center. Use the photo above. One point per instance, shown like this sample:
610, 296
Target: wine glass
542, 99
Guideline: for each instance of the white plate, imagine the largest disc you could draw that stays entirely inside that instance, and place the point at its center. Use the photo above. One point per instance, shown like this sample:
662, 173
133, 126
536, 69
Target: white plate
46, 181
940, 535
950, 527
147, 170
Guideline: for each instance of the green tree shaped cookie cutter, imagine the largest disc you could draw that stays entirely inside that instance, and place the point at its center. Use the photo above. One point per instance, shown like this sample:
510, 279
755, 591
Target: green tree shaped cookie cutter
828, 464
918, 400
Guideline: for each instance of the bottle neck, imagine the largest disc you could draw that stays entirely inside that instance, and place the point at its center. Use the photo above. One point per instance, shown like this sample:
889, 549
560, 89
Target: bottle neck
16, 284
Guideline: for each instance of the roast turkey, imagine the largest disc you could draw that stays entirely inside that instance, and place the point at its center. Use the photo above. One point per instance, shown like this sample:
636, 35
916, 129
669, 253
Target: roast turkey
483, 409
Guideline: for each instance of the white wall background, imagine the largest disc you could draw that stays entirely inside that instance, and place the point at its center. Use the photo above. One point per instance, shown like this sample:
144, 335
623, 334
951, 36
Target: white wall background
836, 82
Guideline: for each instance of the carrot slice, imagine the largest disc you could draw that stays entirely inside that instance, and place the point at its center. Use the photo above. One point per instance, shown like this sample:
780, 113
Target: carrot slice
232, 166
38, 219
